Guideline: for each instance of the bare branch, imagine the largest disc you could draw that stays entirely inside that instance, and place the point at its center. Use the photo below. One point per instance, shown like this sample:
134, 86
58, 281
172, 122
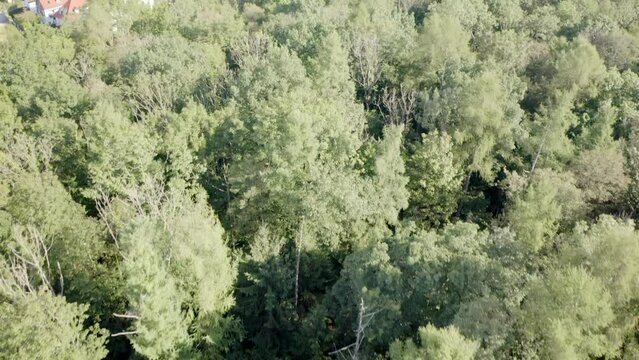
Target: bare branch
103, 206
127, 316
125, 333
398, 105
61, 279
341, 349
367, 61
364, 319
28, 264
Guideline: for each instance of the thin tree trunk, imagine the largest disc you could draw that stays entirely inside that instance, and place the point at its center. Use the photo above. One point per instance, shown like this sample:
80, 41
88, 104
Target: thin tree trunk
360, 330
298, 256
226, 185
534, 164
466, 187
467, 183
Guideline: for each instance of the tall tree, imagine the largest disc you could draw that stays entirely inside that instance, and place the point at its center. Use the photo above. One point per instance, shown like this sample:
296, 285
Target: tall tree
178, 274
290, 158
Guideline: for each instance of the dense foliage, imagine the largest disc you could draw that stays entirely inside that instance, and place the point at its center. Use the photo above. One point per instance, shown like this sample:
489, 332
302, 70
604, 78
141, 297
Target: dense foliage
315, 179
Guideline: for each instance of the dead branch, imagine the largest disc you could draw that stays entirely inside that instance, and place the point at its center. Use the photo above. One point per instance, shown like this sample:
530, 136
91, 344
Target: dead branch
27, 264
61, 279
364, 319
103, 205
367, 61
125, 333
399, 105
127, 316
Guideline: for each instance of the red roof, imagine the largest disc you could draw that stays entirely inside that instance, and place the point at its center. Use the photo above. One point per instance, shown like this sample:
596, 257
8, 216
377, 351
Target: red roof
72, 5
69, 5
50, 4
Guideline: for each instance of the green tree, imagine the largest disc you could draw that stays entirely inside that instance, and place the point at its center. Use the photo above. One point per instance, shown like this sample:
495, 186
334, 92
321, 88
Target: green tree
435, 179
290, 158
8, 116
170, 250
265, 297
160, 327
577, 67
382, 43
601, 174
480, 113
435, 343
608, 251
597, 130
37, 322
542, 205
153, 75
565, 315
548, 140
44, 326
444, 43
418, 277
369, 276
119, 152
171, 243
473, 15
37, 76
36, 197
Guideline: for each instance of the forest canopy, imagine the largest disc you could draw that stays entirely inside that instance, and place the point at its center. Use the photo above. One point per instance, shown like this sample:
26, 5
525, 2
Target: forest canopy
321, 179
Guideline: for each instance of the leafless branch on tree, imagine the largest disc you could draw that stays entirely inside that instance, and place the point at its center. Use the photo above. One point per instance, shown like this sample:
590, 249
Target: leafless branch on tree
398, 105
367, 63
353, 351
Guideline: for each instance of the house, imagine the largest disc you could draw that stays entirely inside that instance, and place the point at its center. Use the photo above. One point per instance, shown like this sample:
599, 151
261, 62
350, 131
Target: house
53, 12
31, 5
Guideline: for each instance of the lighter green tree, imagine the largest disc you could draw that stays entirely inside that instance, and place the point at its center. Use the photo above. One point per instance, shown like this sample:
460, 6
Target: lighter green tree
566, 314
578, 67
535, 214
160, 326
480, 112
576, 71
435, 344
609, 251
543, 205
601, 174
119, 152
548, 140
444, 43
179, 274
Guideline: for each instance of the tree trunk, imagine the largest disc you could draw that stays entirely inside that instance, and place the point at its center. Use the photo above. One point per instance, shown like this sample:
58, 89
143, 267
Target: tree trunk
466, 186
534, 164
298, 256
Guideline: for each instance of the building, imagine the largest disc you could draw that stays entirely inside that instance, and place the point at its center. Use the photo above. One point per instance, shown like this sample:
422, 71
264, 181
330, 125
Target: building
53, 12
31, 5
